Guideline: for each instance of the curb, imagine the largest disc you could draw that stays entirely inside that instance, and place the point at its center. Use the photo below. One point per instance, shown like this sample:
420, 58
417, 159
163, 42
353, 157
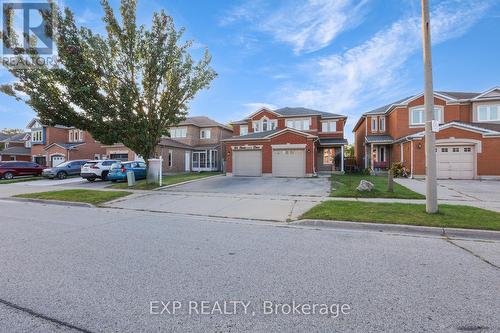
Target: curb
186, 182
403, 229
52, 202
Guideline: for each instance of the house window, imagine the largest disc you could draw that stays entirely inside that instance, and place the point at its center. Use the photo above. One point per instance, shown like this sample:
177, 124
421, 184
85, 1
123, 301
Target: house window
382, 124
264, 125
328, 156
170, 158
488, 113
374, 124
178, 132
256, 126
243, 129
329, 126
71, 138
467, 150
80, 136
417, 115
205, 134
37, 136
299, 124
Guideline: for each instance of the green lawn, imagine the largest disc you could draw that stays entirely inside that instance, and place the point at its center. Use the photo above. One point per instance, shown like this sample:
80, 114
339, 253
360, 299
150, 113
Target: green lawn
167, 180
18, 180
451, 216
87, 196
345, 186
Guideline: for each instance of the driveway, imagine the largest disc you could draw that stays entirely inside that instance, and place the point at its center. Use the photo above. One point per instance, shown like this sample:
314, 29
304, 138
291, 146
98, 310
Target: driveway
477, 193
316, 187
271, 199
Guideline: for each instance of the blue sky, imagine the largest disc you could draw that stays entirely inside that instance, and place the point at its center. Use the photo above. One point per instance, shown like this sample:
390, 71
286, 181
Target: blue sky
338, 56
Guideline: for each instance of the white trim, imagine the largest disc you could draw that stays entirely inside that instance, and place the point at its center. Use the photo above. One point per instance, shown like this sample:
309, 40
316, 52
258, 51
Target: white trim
486, 93
289, 146
263, 109
461, 142
422, 108
401, 153
374, 129
411, 159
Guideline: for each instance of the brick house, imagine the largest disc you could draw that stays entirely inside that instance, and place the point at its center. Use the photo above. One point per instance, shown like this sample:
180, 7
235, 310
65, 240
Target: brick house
16, 147
52, 145
467, 144
287, 142
194, 145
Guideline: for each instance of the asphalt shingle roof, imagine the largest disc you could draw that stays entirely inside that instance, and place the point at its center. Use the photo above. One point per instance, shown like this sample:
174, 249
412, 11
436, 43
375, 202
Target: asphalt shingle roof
299, 111
12, 137
384, 108
333, 141
257, 135
202, 121
174, 143
459, 95
379, 138
15, 150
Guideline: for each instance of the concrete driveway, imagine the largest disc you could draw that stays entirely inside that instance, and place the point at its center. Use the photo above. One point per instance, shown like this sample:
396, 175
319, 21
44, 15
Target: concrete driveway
316, 187
478, 193
271, 199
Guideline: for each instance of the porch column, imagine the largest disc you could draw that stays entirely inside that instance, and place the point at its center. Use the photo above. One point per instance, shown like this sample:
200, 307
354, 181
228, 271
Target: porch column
342, 159
371, 157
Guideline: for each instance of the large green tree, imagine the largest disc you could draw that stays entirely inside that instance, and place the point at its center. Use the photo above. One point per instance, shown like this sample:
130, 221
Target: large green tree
129, 86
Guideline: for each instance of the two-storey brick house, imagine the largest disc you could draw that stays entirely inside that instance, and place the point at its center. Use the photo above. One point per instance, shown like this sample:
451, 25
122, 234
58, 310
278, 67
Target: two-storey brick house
467, 144
287, 142
194, 145
52, 145
16, 147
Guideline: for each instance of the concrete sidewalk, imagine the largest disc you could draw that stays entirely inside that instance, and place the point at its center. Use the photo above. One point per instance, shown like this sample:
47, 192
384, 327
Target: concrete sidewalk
245, 206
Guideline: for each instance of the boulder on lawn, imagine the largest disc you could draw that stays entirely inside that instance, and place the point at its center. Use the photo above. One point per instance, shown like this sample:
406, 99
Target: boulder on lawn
365, 186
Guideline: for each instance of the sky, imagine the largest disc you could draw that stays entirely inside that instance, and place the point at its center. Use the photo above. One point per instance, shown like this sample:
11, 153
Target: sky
339, 56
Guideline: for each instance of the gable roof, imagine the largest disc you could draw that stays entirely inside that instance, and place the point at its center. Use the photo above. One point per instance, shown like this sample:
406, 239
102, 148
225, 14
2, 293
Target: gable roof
203, 121
169, 142
68, 146
19, 137
15, 150
458, 95
267, 135
473, 127
292, 112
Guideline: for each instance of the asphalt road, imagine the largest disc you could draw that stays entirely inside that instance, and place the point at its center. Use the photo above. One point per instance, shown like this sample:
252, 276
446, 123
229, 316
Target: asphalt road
68, 269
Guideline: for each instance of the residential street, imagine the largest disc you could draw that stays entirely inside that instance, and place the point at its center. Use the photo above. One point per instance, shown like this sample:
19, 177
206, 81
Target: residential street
71, 269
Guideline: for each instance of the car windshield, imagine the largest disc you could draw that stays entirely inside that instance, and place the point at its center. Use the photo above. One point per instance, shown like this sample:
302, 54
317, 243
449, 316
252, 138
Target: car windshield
89, 164
63, 164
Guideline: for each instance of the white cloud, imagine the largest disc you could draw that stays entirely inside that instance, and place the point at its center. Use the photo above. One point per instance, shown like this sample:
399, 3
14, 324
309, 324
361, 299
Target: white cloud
305, 26
341, 82
252, 107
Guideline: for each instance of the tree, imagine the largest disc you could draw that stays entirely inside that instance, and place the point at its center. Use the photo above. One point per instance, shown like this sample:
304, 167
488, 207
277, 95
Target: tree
349, 151
129, 86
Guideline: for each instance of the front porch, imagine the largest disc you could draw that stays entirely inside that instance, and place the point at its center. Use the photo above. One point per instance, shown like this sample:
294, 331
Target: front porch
378, 154
330, 156
205, 160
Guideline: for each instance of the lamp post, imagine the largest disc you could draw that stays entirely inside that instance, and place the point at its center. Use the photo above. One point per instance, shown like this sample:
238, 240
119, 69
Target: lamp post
431, 205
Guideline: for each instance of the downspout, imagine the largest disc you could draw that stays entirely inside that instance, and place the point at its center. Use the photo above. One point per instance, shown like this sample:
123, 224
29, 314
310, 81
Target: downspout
315, 174
411, 159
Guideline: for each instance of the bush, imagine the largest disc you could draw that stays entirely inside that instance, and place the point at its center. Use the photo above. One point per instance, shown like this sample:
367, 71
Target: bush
397, 169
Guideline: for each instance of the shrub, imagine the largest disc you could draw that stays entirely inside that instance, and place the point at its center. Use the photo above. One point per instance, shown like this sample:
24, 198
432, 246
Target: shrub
397, 169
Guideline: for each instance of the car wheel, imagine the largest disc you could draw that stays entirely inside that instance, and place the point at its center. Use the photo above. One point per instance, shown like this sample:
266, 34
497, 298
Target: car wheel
90, 179
8, 175
62, 175
104, 175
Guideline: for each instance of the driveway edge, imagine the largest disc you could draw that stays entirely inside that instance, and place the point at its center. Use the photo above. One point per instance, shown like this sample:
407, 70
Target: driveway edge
186, 182
52, 202
403, 229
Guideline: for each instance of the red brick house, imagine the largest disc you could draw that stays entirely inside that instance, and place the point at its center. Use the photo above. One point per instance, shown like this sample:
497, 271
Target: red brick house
287, 142
16, 147
467, 144
51, 146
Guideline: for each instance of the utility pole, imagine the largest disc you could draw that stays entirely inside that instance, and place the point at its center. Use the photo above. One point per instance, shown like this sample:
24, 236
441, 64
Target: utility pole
431, 205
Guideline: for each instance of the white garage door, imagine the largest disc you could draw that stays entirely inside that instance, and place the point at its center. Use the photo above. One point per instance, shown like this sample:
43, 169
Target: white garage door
455, 162
247, 163
56, 160
289, 162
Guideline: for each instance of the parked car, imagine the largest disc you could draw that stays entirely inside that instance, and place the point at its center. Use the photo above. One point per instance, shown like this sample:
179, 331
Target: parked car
119, 170
96, 169
11, 169
65, 169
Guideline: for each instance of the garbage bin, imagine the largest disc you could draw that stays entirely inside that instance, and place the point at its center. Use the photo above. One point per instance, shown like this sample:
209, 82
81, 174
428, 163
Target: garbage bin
130, 178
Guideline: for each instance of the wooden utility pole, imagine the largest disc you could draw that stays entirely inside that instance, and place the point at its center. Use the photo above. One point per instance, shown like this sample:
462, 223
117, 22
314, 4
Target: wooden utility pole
430, 137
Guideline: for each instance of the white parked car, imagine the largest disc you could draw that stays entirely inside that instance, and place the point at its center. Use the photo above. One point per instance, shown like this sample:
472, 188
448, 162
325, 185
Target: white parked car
96, 169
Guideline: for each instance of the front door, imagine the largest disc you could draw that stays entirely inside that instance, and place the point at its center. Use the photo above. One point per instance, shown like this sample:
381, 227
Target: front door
187, 161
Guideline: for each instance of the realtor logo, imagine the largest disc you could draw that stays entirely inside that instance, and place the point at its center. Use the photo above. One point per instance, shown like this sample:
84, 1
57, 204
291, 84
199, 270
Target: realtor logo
26, 25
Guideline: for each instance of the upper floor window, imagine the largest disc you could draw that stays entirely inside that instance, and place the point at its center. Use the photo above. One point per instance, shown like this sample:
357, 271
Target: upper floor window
488, 113
381, 126
264, 124
37, 136
243, 129
417, 115
374, 124
205, 134
27, 143
329, 126
75, 136
299, 124
178, 132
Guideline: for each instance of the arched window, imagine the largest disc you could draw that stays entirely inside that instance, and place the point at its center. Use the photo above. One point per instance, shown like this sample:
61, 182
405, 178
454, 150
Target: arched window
264, 124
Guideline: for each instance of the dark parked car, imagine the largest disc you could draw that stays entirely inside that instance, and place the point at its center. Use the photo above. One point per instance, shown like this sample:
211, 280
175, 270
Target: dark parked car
65, 169
9, 170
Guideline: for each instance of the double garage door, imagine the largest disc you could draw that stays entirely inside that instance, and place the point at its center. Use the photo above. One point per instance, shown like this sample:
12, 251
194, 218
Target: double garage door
455, 162
285, 162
